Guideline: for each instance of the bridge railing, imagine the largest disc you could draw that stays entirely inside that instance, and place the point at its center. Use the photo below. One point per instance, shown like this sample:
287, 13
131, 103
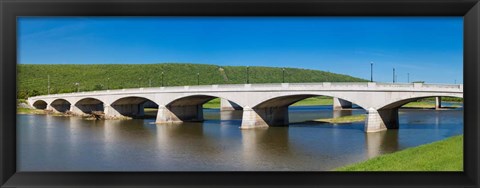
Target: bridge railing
274, 86
451, 86
396, 85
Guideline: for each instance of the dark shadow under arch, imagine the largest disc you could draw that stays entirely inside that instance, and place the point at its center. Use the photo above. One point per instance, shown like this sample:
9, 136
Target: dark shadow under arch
40, 104
190, 108
88, 105
61, 105
133, 106
274, 111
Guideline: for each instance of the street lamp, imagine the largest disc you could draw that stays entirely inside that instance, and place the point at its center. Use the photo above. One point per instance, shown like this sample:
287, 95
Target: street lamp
283, 75
248, 81
371, 71
198, 78
162, 79
78, 86
408, 77
108, 83
139, 82
393, 75
48, 86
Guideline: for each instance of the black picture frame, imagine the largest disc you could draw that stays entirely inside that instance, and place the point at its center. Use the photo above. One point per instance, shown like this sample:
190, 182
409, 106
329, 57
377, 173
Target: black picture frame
11, 9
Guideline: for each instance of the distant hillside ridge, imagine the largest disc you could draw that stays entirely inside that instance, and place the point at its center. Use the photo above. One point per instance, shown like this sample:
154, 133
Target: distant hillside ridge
33, 79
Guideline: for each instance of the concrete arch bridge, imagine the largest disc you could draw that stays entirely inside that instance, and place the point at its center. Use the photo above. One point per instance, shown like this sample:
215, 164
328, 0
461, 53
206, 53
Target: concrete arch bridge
263, 104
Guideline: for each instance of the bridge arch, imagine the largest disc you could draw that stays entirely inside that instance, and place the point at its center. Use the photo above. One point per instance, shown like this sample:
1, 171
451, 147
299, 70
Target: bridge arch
291, 98
40, 104
185, 108
129, 106
61, 105
398, 103
387, 117
88, 105
196, 99
274, 111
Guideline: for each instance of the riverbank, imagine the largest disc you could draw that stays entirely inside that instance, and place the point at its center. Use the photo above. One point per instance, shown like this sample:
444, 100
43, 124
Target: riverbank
30, 111
444, 155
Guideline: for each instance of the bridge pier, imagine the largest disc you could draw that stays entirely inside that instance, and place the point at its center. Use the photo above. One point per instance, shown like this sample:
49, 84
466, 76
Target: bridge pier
59, 108
124, 110
438, 103
226, 105
339, 104
264, 117
82, 109
164, 115
250, 119
76, 111
176, 114
380, 120
51, 108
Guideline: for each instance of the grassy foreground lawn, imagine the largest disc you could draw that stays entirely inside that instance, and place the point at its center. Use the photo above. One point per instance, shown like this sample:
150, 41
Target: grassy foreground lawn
444, 155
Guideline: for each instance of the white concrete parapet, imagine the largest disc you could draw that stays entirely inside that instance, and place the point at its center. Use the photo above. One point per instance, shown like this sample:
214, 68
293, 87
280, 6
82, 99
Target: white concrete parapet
323, 86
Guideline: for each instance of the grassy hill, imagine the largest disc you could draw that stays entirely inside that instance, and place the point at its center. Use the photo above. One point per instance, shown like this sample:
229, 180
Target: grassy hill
33, 79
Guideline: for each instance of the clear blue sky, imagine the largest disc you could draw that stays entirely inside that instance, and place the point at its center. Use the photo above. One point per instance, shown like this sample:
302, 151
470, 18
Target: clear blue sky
429, 48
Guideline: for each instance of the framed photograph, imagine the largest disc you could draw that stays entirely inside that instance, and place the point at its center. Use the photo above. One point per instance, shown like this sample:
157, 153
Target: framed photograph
239, 93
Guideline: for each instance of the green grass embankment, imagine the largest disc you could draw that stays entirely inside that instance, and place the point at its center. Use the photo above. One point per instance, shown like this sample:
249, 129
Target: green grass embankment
29, 111
444, 155
426, 104
33, 79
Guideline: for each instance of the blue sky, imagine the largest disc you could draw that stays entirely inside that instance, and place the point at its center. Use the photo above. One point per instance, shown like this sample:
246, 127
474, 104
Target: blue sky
429, 48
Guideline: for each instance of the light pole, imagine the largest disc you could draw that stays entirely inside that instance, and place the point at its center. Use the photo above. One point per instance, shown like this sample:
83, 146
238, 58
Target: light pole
108, 83
393, 75
162, 79
283, 75
78, 86
139, 82
408, 77
150, 82
371, 71
198, 78
248, 81
48, 86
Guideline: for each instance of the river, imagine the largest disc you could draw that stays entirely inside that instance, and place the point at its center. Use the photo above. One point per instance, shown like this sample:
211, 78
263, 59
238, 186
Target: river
55, 143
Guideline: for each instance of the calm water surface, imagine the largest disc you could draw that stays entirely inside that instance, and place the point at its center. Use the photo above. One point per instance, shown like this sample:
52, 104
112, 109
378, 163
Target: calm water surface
48, 143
